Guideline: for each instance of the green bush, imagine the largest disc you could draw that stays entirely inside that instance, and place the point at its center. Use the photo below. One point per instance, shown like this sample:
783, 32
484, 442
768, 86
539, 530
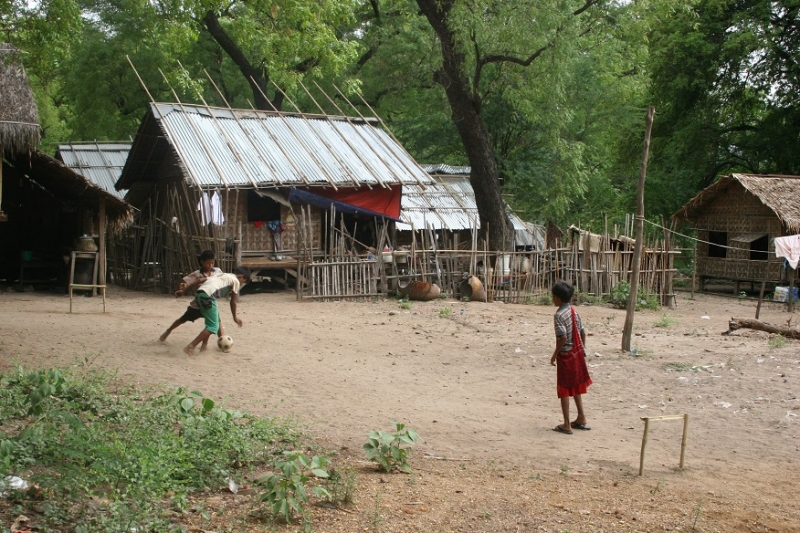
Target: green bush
621, 292
109, 458
286, 492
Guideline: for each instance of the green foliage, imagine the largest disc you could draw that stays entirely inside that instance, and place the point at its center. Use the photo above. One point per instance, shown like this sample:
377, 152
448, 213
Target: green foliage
621, 292
778, 341
285, 492
446, 312
405, 304
665, 321
75, 439
680, 367
387, 449
540, 299
585, 298
342, 485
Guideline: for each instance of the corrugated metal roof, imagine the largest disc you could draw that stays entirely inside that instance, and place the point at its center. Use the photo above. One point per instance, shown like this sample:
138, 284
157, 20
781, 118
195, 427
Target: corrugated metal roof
100, 163
247, 148
447, 169
449, 204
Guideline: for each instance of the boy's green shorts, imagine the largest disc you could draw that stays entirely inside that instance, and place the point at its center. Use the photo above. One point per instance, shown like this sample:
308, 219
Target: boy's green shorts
208, 308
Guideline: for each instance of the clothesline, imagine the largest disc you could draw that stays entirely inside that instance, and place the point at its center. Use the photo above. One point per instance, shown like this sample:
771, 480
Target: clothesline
787, 247
690, 237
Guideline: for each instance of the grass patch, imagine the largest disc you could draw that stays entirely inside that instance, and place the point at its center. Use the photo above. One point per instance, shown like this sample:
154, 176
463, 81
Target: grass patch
100, 459
778, 341
585, 298
665, 321
539, 299
680, 367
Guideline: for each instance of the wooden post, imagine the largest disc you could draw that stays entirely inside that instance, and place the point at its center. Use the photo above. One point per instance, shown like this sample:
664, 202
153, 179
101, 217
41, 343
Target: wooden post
763, 285
644, 444
684, 437
3, 216
637, 251
694, 269
101, 245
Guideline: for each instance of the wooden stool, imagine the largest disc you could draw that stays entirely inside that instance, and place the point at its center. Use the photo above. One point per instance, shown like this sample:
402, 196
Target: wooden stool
101, 288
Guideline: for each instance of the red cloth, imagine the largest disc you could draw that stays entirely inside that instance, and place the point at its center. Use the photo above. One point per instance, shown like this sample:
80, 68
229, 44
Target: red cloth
571, 370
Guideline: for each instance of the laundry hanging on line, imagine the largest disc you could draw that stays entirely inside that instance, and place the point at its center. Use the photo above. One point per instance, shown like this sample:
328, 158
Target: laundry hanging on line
211, 209
789, 248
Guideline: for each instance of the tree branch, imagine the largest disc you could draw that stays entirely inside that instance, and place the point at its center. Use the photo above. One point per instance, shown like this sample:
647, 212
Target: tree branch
256, 78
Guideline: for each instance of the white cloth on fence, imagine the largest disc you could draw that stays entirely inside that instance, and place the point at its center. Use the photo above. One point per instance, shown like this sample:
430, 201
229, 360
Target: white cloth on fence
211, 209
788, 247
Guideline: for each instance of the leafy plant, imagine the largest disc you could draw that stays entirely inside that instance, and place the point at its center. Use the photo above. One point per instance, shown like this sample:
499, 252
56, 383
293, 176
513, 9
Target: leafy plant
405, 304
446, 312
665, 321
387, 449
621, 292
540, 299
342, 485
589, 299
778, 341
125, 450
285, 491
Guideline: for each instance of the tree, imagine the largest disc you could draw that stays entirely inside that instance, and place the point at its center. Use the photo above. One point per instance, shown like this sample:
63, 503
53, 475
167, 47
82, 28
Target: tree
725, 80
493, 40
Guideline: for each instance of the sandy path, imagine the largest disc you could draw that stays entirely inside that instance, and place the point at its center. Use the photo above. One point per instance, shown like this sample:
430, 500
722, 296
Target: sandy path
476, 384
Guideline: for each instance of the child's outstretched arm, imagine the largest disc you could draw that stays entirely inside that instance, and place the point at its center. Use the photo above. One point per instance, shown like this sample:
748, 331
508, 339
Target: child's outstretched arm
234, 301
187, 288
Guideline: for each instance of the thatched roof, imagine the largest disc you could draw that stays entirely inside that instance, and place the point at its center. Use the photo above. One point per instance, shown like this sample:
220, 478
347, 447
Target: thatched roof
19, 118
779, 193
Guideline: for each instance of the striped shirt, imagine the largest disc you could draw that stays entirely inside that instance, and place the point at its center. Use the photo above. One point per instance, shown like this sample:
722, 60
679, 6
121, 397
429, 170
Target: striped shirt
563, 324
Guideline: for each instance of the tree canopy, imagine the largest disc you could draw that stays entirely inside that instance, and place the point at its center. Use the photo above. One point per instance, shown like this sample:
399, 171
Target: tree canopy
545, 99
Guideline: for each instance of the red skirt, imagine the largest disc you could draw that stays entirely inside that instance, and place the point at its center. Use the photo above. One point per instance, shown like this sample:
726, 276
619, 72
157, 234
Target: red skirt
572, 376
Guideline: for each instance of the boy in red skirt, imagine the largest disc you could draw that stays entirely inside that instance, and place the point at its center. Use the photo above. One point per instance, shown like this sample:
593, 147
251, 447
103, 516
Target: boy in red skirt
569, 358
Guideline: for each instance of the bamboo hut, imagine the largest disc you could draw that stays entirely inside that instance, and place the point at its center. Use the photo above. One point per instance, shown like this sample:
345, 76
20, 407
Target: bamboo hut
736, 220
49, 207
271, 190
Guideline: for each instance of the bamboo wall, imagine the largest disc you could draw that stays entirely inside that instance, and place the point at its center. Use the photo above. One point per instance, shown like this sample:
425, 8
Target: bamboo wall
167, 235
594, 264
737, 213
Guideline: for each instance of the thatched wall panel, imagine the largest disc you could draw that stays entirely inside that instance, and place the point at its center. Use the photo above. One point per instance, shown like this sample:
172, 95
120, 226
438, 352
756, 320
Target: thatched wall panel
19, 117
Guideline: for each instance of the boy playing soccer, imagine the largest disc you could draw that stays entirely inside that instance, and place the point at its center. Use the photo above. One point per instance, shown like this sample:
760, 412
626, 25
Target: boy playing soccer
207, 293
206, 270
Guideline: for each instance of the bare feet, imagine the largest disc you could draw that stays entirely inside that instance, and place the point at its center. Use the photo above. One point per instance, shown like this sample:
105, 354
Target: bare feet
163, 337
204, 347
189, 350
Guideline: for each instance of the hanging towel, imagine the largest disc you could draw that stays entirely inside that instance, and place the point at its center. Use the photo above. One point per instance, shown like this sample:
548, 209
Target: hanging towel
211, 209
788, 247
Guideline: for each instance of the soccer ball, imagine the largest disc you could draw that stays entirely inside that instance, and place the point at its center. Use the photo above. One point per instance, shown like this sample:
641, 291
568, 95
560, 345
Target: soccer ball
225, 343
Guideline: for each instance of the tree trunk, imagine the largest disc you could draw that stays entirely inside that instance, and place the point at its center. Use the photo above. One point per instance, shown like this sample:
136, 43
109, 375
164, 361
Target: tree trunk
257, 80
466, 115
786, 331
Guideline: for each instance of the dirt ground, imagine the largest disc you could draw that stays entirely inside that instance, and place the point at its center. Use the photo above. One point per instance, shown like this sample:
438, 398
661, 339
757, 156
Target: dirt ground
475, 382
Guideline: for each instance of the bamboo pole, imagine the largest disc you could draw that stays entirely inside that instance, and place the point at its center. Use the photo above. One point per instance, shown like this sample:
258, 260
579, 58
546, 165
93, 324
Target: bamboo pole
631, 308
684, 436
